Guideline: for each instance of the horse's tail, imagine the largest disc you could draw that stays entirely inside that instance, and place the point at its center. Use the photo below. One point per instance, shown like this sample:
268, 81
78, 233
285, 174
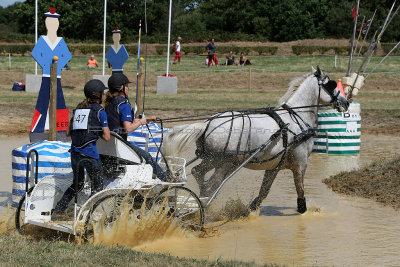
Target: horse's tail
181, 136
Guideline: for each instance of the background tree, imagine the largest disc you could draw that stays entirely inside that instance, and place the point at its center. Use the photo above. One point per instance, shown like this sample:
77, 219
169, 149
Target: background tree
199, 20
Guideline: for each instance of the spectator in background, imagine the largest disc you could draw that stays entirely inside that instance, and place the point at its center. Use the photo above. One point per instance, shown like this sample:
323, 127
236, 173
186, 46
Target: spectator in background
92, 63
243, 61
230, 60
177, 47
212, 56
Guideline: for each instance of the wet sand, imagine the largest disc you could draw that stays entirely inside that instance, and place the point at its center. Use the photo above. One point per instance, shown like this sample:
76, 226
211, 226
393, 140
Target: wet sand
336, 230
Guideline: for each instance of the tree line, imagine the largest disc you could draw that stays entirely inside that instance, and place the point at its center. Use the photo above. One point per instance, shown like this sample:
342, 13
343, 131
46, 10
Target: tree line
199, 20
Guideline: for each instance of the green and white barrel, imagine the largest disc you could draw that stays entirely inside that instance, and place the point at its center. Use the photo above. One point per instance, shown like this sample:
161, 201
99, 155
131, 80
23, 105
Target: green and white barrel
338, 133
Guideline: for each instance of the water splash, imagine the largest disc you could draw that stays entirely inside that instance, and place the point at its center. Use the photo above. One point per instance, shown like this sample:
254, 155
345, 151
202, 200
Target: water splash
136, 227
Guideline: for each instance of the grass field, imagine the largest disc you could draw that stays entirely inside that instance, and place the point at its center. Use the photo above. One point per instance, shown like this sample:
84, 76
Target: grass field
20, 251
202, 90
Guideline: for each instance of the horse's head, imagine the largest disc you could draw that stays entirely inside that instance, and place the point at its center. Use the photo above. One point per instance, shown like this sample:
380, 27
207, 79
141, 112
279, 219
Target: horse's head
328, 93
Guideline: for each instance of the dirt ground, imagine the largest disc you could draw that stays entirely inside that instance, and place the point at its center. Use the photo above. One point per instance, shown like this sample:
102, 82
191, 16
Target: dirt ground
379, 181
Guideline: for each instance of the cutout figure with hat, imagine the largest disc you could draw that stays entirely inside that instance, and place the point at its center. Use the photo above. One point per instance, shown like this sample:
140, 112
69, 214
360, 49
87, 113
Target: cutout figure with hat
48, 47
117, 54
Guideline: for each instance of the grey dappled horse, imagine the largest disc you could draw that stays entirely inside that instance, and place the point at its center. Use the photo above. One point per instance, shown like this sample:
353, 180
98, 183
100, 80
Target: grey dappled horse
227, 139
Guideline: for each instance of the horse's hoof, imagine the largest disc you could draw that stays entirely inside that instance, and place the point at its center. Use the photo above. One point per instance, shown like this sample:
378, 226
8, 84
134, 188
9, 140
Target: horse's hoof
255, 204
301, 205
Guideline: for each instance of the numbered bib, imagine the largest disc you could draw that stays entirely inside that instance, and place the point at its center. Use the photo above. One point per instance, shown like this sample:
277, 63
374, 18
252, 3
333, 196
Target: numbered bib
81, 119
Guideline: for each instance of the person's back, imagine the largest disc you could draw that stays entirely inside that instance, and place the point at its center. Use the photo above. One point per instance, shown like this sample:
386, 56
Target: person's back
115, 122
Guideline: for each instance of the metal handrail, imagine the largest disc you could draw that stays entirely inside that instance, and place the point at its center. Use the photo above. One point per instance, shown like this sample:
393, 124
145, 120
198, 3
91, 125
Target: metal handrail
27, 168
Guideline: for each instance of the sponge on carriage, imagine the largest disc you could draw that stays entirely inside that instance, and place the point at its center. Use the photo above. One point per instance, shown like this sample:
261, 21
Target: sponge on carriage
349, 81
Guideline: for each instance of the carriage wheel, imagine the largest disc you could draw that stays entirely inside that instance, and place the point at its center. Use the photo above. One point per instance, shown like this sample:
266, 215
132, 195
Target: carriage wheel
184, 205
108, 209
20, 213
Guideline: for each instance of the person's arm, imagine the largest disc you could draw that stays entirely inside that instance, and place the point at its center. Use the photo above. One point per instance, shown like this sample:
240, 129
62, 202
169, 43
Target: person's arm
131, 126
97, 64
106, 134
104, 125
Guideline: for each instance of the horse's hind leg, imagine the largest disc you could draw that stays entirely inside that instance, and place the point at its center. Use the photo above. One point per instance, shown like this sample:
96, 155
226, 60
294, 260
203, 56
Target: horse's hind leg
200, 170
221, 171
269, 177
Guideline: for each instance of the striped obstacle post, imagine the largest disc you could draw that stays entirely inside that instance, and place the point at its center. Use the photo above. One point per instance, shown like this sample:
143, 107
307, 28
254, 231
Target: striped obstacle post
338, 133
54, 159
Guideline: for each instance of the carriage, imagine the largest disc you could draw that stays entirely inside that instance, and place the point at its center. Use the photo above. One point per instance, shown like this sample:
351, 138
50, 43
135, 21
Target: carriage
128, 183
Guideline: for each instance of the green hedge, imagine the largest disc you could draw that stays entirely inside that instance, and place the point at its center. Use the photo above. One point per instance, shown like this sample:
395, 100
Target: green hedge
303, 49
389, 46
201, 50
15, 49
339, 50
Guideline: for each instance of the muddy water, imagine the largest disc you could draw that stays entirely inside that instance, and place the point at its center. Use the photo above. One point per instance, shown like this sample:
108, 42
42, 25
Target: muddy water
6, 147
337, 230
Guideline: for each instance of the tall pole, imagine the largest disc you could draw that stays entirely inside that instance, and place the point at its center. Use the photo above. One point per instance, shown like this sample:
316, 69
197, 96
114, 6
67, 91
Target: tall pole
36, 31
352, 40
169, 34
104, 34
138, 75
53, 100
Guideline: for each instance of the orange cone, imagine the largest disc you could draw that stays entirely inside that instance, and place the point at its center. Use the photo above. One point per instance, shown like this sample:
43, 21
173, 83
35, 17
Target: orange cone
340, 87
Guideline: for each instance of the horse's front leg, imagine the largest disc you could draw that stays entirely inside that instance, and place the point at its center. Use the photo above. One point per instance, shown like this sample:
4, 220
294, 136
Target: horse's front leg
269, 177
298, 175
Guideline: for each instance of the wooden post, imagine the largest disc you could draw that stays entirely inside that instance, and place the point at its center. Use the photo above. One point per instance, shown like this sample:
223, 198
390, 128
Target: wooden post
53, 100
250, 79
139, 92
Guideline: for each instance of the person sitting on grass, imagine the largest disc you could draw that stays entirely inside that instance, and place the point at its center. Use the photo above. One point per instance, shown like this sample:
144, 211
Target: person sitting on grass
230, 60
92, 63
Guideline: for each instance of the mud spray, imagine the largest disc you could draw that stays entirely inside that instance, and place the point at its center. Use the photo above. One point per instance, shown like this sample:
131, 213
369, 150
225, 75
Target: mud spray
132, 228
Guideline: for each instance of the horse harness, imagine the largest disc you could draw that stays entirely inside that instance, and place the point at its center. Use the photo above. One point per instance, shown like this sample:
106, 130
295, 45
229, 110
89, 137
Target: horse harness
307, 131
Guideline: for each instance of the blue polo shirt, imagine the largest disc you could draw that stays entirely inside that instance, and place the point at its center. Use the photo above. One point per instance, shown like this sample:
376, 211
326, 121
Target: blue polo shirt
90, 149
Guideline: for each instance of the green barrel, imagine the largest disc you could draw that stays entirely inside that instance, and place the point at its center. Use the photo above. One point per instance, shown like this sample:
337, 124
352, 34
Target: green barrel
338, 133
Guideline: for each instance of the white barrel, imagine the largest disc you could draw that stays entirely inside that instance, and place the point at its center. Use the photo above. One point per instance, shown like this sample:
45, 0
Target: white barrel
338, 133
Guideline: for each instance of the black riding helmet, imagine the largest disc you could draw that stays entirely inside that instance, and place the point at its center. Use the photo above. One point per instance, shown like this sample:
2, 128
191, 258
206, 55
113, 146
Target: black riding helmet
116, 81
93, 88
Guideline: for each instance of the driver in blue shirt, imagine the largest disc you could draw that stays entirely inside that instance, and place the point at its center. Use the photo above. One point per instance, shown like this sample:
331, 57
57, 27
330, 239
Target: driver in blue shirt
121, 117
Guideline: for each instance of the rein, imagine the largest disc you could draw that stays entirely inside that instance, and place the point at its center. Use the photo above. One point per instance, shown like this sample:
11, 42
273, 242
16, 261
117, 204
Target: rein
247, 112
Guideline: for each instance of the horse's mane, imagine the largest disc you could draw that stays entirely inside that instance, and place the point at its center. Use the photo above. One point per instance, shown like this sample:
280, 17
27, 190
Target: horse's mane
293, 86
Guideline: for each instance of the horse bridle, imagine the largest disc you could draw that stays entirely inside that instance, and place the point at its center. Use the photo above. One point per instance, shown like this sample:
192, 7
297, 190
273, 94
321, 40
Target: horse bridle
329, 87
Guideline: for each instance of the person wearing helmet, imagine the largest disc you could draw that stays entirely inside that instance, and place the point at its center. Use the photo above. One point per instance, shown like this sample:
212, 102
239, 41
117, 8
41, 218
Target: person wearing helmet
88, 123
121, 117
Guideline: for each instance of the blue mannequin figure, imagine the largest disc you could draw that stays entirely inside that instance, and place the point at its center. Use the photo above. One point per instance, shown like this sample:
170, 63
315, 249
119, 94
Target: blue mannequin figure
117, 54
46, 48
